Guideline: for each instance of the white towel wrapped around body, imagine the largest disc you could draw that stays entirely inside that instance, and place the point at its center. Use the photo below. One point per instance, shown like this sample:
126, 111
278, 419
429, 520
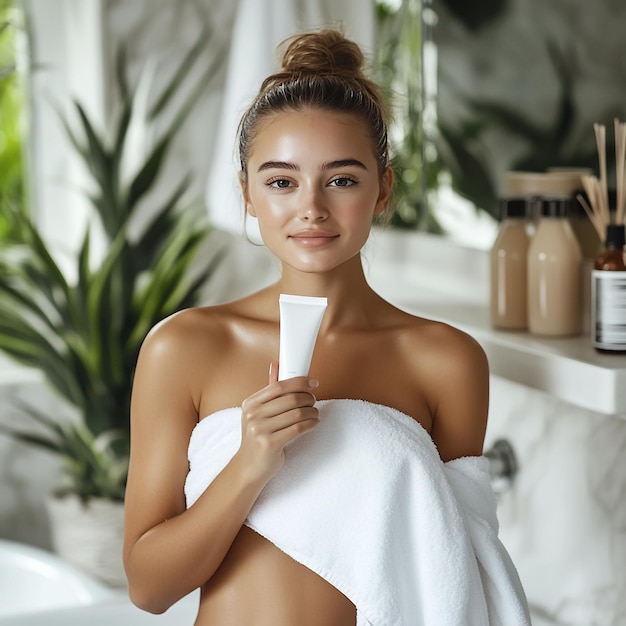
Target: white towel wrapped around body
365, 501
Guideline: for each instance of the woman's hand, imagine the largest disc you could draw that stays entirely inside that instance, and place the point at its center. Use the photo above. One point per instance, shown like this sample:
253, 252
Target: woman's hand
271, 418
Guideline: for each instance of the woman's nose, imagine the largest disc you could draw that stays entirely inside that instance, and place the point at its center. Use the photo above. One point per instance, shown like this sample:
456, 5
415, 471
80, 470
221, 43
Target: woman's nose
312, 206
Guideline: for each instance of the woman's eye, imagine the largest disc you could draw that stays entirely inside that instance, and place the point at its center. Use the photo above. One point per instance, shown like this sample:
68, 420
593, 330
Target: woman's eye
342, 182
279, 183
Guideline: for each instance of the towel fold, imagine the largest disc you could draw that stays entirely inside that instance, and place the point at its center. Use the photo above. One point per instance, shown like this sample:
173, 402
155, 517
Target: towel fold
365, 501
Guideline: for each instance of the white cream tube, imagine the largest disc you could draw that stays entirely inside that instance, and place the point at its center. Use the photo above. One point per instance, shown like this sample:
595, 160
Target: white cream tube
300, 320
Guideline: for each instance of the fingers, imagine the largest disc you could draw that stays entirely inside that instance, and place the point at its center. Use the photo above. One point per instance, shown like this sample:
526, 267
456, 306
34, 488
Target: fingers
280, 412
304, 423
275, 389
274, 430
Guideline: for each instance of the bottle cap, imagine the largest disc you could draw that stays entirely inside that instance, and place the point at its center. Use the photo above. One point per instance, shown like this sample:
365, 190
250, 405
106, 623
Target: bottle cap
514, 207
615, 236
555, 207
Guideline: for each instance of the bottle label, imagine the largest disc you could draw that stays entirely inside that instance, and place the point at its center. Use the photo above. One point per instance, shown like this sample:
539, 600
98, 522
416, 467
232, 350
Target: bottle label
608, 314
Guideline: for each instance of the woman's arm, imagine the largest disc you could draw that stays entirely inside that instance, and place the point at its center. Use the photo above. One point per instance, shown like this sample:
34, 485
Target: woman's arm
459, 388
170, 551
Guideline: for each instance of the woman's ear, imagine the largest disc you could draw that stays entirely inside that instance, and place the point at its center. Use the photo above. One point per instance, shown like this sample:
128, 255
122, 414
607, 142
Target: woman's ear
246, 197
384, 193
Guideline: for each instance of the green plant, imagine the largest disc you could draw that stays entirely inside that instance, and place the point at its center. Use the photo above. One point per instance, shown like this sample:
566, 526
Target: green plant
12, 187
85, 335
399, 64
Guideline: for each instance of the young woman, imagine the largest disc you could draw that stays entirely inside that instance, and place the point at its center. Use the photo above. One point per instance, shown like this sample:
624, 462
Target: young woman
315, 173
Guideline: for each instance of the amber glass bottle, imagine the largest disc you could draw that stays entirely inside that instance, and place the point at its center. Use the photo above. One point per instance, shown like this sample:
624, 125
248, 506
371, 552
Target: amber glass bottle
608, 294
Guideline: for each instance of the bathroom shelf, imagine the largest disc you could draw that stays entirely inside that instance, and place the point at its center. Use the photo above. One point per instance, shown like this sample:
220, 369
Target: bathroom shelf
408, 271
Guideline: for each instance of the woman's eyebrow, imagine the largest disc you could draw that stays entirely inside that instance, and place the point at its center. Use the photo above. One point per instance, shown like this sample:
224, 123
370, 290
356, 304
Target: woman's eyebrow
329, 165
279, 165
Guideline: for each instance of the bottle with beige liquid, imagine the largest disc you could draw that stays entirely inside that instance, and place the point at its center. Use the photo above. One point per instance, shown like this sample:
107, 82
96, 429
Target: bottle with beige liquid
554, 273
508, 267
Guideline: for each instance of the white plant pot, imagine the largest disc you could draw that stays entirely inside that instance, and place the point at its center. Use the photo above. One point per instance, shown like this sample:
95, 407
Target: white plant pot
89, 536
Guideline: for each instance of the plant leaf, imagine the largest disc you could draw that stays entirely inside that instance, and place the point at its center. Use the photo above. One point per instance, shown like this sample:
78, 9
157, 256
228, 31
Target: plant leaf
179, 75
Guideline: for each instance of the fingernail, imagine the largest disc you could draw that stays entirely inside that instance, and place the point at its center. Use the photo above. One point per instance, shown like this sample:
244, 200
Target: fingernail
313, 383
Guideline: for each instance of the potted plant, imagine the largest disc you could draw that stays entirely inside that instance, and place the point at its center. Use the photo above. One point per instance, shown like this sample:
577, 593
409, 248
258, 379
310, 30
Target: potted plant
84, 335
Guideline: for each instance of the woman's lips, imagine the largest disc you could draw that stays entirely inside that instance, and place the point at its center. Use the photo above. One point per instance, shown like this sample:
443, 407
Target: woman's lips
313, 239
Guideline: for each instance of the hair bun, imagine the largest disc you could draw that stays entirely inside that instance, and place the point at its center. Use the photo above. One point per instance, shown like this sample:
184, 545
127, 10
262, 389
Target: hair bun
323, 52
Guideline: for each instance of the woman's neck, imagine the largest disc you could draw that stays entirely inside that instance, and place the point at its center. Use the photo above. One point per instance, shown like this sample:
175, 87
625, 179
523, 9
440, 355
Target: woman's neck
350, 298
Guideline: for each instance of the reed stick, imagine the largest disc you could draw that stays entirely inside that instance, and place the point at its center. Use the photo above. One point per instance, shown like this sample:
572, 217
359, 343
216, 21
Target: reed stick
620, 169
591, 186
597, 207
600, 132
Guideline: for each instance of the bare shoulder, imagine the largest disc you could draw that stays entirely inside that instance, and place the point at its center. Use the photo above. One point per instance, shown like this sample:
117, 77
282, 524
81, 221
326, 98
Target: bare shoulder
449, 345
454, 372
187, 333
181, 350
437, 343
195, 350
184, 328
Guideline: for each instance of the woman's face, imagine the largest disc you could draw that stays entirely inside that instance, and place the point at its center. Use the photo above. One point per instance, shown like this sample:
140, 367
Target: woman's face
313, 184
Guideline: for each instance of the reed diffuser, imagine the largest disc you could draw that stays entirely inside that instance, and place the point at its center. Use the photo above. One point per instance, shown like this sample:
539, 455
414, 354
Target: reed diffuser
597, 203
608, 277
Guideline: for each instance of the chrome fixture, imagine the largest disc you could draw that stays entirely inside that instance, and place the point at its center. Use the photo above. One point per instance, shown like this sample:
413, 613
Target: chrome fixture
502, 465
